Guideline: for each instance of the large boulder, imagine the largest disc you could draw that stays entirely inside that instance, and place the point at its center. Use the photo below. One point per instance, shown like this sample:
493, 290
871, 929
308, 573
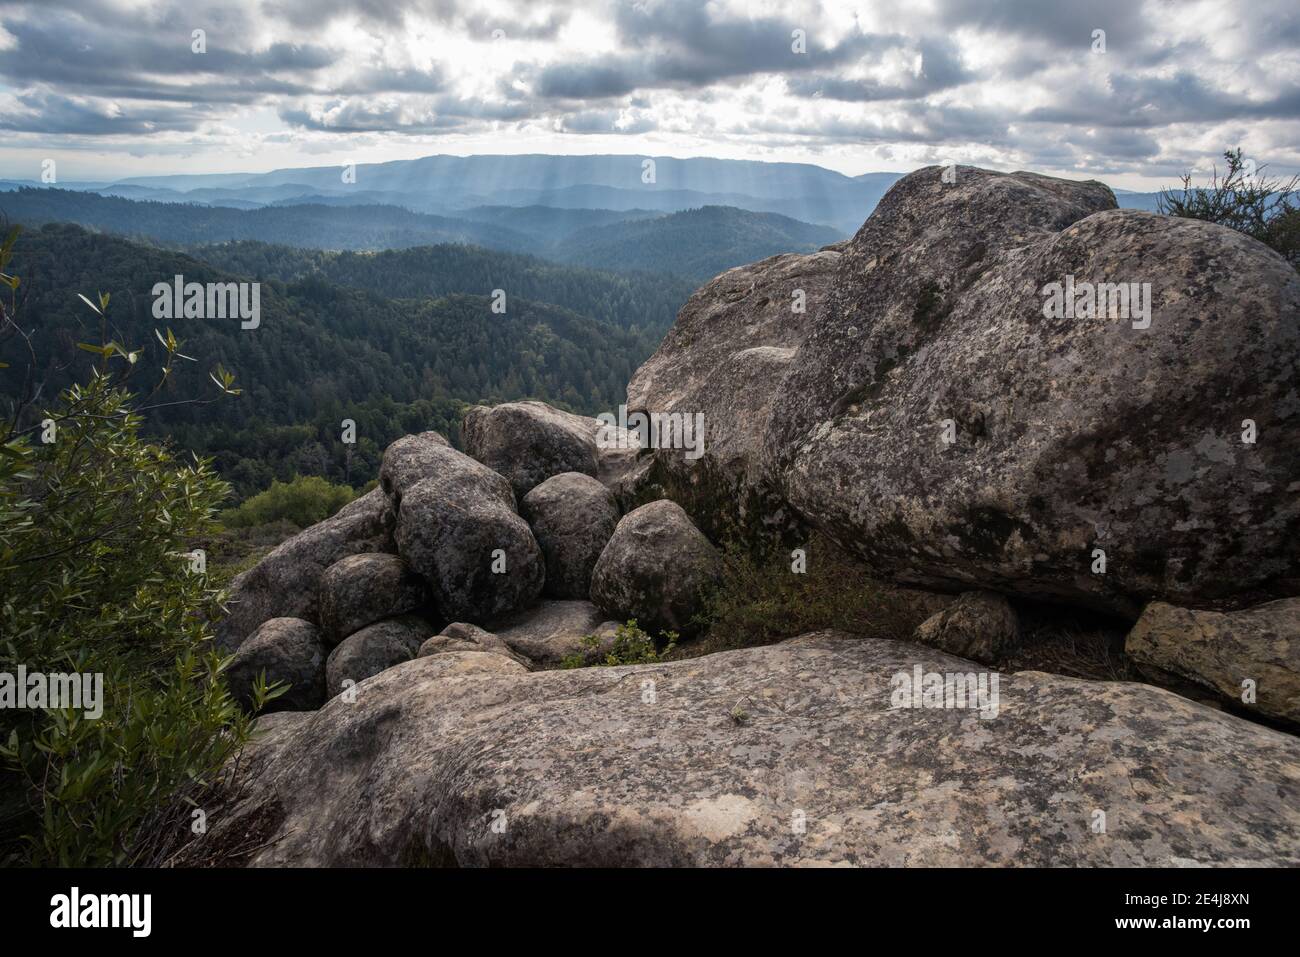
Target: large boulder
572, 517
373, 649
553, 631
412, 459
288, 650
799, 753
1251, 657
723, 359
363, 589
655, 568
286, 583
458, 529
943, 421
530, 441
979, 625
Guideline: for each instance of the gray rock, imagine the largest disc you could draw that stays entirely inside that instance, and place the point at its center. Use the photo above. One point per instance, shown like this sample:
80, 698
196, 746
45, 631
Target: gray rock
552, 631
449, 529
412, 459
654, 569
732, 344
979, 625
363, 589
462, 636
530, 441
572, 517
736, 750
286, 583
373, 649
1260, 645
287, 650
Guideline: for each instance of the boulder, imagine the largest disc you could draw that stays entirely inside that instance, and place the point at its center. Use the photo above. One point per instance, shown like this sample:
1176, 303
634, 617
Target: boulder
411, 459
1255, 651
800, 753
945, 422
286, 583
373, 649
572, 517
462, 636
654, 569
552, 631
458, 530
729, 349
530, 441
288, 650
363, 589
979, 625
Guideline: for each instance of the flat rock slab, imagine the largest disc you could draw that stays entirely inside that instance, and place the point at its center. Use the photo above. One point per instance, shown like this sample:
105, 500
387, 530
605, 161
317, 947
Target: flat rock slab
786, 754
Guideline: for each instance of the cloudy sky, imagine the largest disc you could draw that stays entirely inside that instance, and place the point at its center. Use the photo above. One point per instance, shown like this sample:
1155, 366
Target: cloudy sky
113, 88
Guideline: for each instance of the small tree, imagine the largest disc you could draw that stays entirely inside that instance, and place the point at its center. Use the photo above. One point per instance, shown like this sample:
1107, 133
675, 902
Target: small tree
1245, 200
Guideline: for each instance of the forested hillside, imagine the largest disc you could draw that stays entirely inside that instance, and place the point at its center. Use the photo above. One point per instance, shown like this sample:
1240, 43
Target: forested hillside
322, 353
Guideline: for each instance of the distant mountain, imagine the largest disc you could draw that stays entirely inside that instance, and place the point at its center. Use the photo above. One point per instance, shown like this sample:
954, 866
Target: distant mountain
314, 226
1128, 200
697, 244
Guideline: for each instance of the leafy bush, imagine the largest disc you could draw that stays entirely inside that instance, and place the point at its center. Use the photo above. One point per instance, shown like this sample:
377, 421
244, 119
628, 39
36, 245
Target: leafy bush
762, 600
1244, 199
305, 500
631, 646
97, 578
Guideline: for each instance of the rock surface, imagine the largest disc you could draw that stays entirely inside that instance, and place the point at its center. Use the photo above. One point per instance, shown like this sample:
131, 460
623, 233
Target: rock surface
530, 441
287, 650
457, 528
596, 767
551, 631
572, 517
286, 583
654, 569
462, 636
373, 649
362, 589
1222, 651
979, 625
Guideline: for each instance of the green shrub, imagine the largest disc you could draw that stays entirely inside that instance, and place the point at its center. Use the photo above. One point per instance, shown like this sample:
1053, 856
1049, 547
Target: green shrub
631, 646
305, 500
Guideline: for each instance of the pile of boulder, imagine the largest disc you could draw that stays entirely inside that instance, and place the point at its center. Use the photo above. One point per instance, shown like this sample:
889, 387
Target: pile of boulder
516, 549
911, 395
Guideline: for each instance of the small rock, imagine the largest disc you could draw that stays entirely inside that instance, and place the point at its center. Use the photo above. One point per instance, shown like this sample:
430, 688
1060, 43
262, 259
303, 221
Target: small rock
287, 649
363, 589
373, 649
462, 636
654, 569
979, 625
572, 517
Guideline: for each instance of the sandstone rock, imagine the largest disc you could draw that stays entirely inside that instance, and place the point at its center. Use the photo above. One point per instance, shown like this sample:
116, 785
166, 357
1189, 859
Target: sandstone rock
530, 441
654, 568
462, 636
724, 358
1221, 651
572, 517
552, 631
288, 650
456, 527
363, 589
736, 747
373, 649
286, 583
979, 625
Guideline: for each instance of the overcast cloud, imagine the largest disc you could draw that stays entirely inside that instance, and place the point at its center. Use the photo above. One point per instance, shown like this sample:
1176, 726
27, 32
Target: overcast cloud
113, 87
